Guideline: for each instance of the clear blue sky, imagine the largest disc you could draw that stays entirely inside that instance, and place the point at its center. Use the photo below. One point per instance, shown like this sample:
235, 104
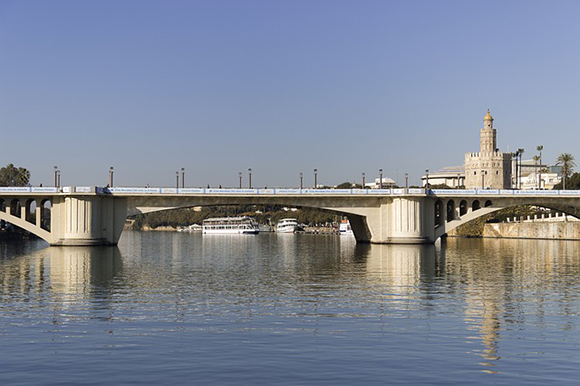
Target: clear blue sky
280, 86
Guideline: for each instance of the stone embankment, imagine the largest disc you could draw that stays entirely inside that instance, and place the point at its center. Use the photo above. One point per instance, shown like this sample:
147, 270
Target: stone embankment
550, 227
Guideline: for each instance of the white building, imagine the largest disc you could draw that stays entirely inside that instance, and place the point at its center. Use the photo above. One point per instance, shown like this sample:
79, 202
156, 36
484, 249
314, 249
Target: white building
387, 183
452, 176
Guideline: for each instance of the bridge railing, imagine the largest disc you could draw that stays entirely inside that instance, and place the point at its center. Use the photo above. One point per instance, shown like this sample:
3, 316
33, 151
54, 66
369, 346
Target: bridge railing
284, 191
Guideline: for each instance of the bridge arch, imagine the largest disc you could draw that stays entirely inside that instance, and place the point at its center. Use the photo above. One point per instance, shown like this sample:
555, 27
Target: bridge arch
30, 210
450, 210
462, 207
490, 208
27, 226
15, 207
45, 213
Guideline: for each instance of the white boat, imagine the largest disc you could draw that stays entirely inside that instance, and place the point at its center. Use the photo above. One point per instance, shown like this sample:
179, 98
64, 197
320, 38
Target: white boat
345, 228
230, 225
287, 225
190, 228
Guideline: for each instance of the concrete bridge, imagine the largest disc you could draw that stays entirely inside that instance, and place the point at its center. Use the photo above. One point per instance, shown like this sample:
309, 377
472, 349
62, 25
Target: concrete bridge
95, 216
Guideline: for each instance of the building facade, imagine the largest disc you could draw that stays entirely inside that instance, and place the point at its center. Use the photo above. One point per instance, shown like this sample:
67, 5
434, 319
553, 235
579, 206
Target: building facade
490, 168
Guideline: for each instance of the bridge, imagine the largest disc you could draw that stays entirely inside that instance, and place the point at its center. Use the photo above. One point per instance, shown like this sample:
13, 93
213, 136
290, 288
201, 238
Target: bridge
96, 215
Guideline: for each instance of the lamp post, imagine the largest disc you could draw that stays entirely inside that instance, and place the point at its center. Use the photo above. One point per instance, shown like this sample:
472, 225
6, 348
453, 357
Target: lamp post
363, 180
176, 180
520, 152
301, 180
540, 148
406, 182
483, 179
315, 178
380, 178
111, 170
240, 178
182, 178
249, 178
426, 180
55, 178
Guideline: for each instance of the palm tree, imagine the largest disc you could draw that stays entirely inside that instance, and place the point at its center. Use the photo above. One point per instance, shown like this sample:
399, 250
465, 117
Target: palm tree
566, 162
11, 175
520, 153
536, 158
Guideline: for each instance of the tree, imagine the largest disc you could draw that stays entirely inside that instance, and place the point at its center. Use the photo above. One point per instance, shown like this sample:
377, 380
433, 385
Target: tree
566, 162
12, 176
344, 185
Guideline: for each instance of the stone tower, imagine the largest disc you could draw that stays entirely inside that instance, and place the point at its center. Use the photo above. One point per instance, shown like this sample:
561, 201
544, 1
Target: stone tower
488, 169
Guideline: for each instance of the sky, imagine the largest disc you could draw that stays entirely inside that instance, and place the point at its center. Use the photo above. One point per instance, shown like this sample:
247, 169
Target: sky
281, 87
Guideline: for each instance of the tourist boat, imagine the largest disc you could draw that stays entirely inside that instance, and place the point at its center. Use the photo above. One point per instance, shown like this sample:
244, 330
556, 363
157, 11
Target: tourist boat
345, 228
287, 225
230, 225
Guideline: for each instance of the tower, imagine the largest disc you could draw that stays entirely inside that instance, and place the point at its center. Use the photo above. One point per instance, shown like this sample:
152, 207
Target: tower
488, 169
488, 135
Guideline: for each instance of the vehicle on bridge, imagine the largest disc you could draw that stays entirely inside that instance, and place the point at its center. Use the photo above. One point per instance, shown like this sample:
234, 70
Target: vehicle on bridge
230, 225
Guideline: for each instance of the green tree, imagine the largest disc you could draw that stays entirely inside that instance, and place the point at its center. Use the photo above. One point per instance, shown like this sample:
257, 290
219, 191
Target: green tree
12, 176
566, 162
344, 185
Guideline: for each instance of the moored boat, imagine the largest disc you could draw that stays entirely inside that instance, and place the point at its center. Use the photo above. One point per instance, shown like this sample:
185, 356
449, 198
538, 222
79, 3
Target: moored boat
230, 225
345, 228
287, 225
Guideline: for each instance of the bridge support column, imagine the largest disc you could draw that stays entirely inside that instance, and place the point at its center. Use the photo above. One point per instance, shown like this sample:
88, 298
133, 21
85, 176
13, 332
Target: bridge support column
89, 220
402, 220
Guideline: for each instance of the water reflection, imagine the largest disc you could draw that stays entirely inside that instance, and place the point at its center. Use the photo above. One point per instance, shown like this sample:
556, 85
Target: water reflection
463, 304
83, 270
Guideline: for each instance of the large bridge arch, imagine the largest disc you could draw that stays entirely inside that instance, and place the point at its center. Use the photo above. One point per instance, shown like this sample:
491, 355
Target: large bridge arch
489, 208
358, 222
27, 226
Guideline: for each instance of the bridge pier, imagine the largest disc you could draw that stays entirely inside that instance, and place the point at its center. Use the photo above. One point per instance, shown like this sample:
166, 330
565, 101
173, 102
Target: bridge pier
395, 220
87, 220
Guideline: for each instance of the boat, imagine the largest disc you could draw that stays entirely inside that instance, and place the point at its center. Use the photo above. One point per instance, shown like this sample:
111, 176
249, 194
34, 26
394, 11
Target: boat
230, 225
287, 225
190, 228
345, 228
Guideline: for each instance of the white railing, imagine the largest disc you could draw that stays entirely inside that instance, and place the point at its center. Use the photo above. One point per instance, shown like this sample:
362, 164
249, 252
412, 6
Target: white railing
287, 191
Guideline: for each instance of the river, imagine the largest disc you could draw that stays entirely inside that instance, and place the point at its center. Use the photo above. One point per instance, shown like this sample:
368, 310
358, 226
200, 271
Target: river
179, 308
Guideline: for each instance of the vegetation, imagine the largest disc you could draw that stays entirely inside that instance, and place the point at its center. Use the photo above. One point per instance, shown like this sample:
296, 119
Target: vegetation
264, 214
572, 183
14, 176
566, 162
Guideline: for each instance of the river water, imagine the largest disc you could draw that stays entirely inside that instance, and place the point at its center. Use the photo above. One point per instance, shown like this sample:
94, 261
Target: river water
178, 308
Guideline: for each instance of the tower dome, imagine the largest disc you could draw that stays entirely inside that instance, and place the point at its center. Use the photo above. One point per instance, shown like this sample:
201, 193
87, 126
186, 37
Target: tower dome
488, 116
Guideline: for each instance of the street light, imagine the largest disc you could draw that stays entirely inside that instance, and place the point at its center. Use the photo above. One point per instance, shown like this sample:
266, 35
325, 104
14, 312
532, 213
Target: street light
55, 178
111, 177
249, 178
426, 180
315, 178
301, 180
240, 178
520, 152
406, 182
182, 178
176, 180
483, 179
364, 182
380, 178
540, 148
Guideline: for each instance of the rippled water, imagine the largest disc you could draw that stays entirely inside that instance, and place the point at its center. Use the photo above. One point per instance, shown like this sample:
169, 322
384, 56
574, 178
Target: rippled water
167, 308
